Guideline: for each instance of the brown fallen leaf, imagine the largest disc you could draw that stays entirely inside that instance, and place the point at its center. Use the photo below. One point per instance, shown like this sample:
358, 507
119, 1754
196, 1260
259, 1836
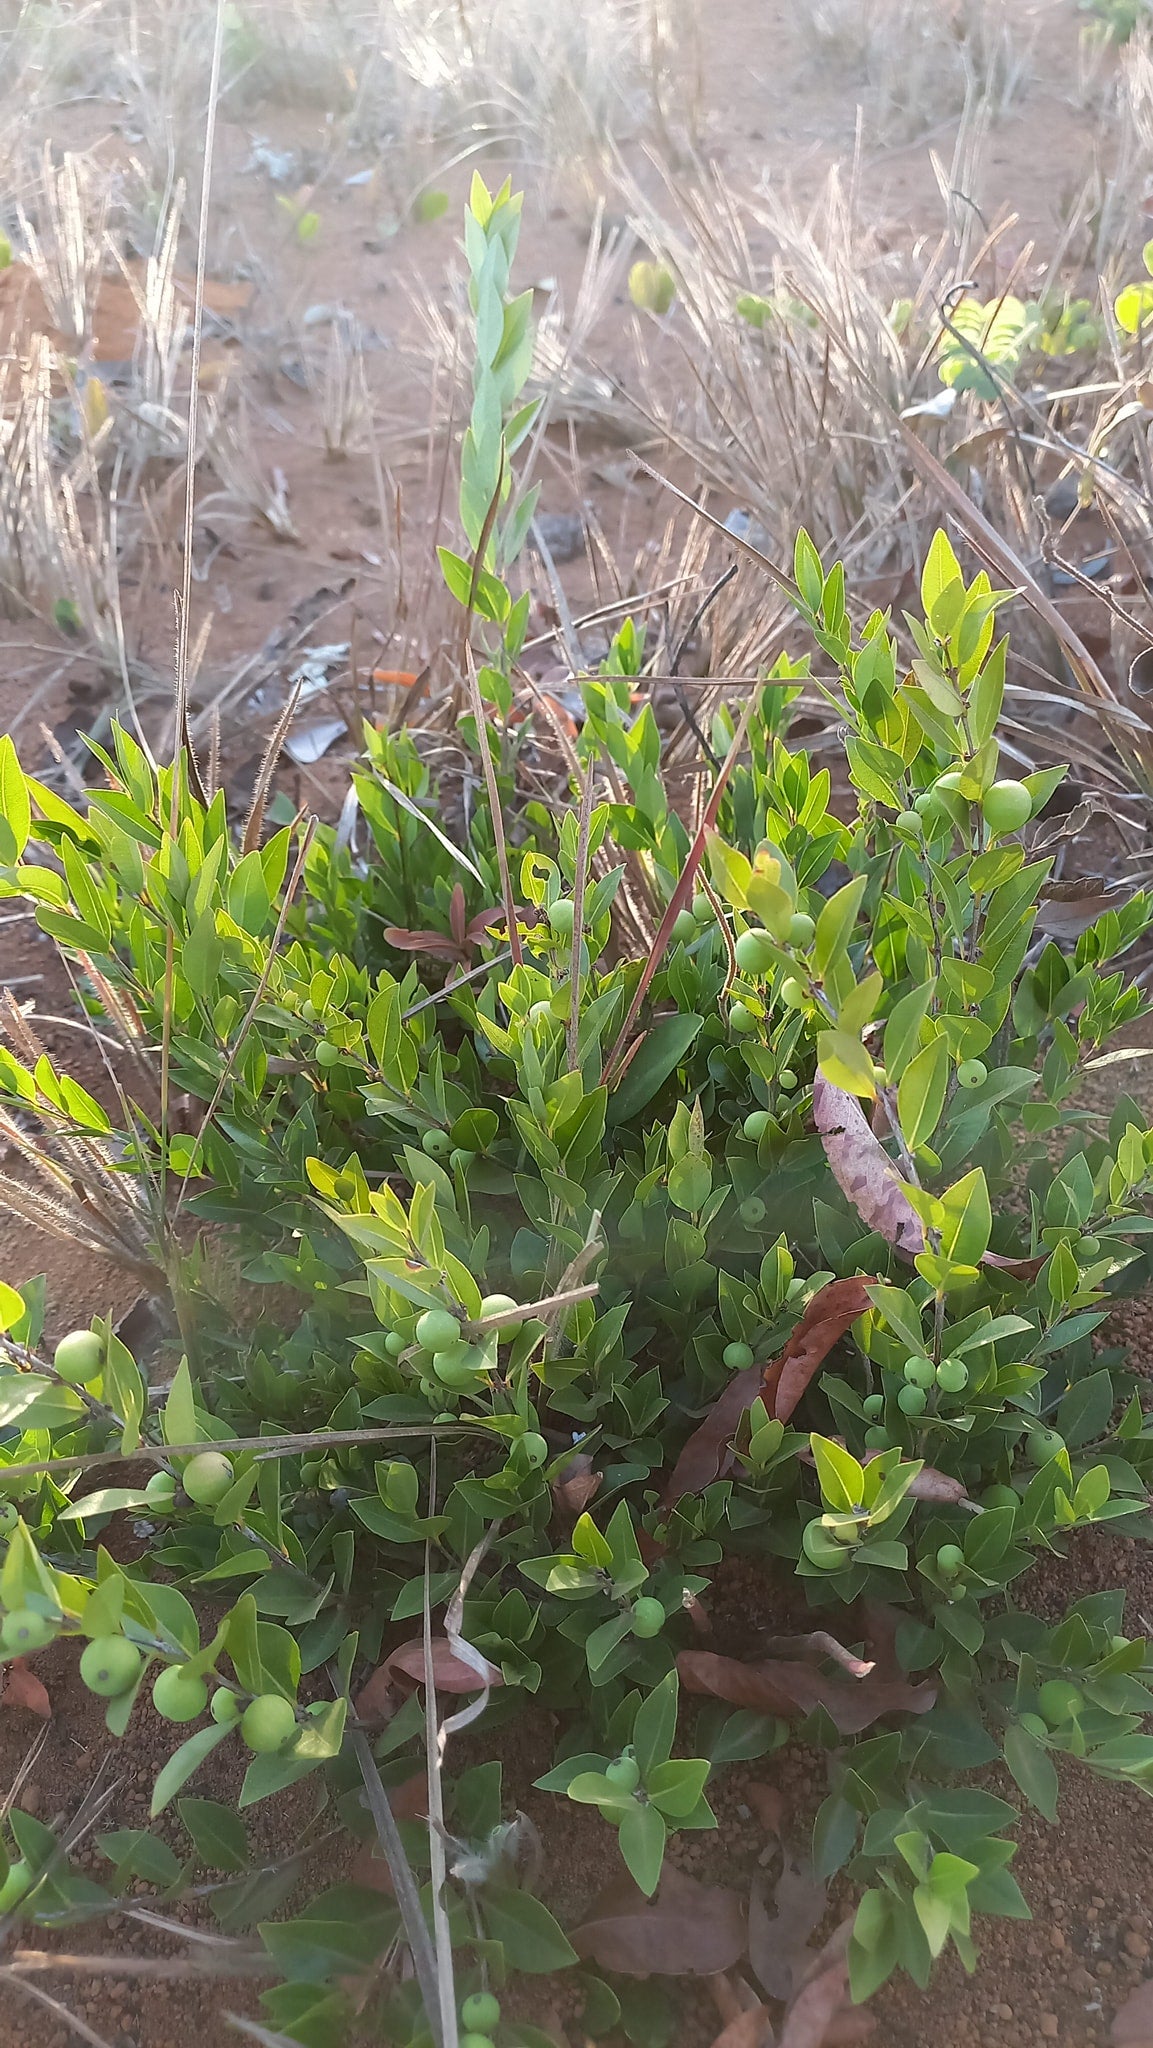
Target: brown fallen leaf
779, 1934
377, 1696
1133, 2025
708, 1454
821, 2013
751, 2029
768, 1803
863, 1169
687, 1930
22, 1688
930, 1484
790, 1687
575, 1485
408, 1802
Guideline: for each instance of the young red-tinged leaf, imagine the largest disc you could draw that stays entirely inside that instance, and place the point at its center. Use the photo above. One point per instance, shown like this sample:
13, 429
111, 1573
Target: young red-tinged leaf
863, 1169
708, 1454
21, 1688
1133, 2025
688, 1930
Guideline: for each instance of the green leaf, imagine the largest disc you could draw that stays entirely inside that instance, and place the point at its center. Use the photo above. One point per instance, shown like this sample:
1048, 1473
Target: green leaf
1033, 1769
845, 1063
967, 1220
217, 1833
656, 1725
921, 1092
183, 1762
642, 1836
15, 805
526, 1930
665, 1046
842, 1480
676, 1787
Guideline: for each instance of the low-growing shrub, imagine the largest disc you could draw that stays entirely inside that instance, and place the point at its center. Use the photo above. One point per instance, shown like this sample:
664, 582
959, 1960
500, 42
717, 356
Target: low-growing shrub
615, 1201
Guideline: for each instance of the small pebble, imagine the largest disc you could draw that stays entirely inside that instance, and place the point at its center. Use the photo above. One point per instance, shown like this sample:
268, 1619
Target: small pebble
1050, 2026
1136, 1945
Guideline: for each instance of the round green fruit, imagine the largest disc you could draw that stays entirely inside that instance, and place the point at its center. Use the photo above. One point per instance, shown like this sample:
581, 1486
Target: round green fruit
684, 927
109, 1665
877, 1438
950, 1560
792, 993
533, 1448
972, 1074
15, 1885
873, 1405
648, 1617
1043, 1444
500, 1305
752, 1211
738, 1356
702, 909
919, 1371
755, 952
394, 1344
79, 1357
912, 1400
562, 917
453, 1367
25, 1631
624, 1775
436, 1329
436, 1143
909, 821
177, 1698
160, 1492
821, 1548
224, 1706
756, 1124
9, 1516
207, 1477
267, 1723
741, 1020
787, 1080
801, 928
327, 1054
481, 2012
471, 2040
1007, 806
1060, 1701
952, 1375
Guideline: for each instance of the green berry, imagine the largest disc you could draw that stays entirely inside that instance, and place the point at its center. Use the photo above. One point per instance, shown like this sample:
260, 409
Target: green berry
224, 1706
436, 1143
1060, 1701
1007, 806
792, 993
873, 1405
177, 1698
500, 1305
481, 2012
109, 1665
950, 1560
394, 1344
972, 1074
472, 2040
160, 1492
454, 1367
15, 1885
876, 1438
267, 1723
919, 1371
912, 1400
9, 1516
562, 917
787, 1080
909, 821
821, 1548
684, 927
436, 1329
624, 1775
533, 1448
952, 1375
801, 928
738, 1356
25, 1631
756, 1124
741, 1020
752, 1211
79, 1357
1089, 1247
1041, 1445
207, 1477
702, 909
755, 952
327, 1054
648, 1617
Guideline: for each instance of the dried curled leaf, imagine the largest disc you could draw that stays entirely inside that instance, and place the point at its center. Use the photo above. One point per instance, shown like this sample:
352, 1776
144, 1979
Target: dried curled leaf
750, 2029
708, 1454
792, 1687
687, 1930
930, 1484
22, 1688
821, 2014
863, 1169
377, 1697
